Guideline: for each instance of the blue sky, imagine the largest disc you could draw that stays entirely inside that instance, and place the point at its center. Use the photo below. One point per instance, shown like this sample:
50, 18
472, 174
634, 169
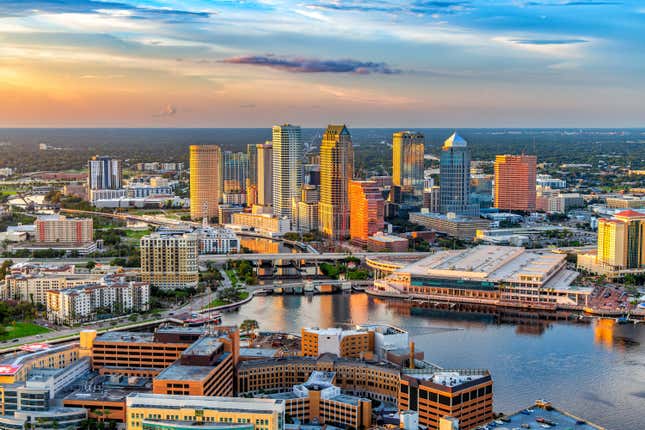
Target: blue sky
444, 63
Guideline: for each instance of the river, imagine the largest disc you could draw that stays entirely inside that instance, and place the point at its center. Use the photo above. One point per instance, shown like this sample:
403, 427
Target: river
594, 369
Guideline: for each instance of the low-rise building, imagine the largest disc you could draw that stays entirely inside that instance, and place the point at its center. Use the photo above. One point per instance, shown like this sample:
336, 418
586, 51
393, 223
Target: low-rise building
163, 412
452, 225
262, 222
382, 242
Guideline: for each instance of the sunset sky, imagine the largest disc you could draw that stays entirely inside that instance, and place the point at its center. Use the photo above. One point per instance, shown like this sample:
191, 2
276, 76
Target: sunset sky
253, 63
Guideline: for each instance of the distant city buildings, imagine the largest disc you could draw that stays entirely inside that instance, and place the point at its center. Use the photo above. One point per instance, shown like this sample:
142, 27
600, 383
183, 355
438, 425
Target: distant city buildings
306, 209
336, 170
367, 211
104, 173
407, 161
58, 229
170, 262
464, 228
546, 181
235, 172
515, 182
265, 223
264, 174
205, 180
455, 178
287, 167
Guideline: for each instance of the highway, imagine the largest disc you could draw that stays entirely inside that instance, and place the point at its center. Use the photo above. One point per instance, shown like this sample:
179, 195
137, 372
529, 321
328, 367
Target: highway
307, 256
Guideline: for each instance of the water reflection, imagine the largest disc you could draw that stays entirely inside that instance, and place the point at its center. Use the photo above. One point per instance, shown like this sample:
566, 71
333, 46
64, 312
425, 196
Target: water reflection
583, 365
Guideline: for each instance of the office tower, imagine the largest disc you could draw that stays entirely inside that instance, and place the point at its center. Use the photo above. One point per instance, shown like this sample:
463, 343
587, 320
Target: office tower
407, 161
169, 262
205, 177
264, 173
367, 209
621, 241
235, 171
287, 167
515, 182
454, 174
336, 170
57, 229
305, 215
252, 155
105, 173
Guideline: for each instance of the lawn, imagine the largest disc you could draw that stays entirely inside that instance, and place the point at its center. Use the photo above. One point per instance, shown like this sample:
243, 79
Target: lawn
22, 329
136, 234
219, 302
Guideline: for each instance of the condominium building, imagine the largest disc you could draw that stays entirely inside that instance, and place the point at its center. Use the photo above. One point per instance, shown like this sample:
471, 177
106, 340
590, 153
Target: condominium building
104, 173
336, 170
455, 177
407, 161
170, 262
205, 180
563, 202
58, 229
32, 287
235, 171
265, 173
263, 222
515, 182
287, 167
465, 394
305, 209
164, 412
217, 240
252, 155
82, 303
367, 209
626, 202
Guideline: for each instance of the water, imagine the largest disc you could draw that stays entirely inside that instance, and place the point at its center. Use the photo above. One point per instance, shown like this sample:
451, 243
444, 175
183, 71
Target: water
595, 370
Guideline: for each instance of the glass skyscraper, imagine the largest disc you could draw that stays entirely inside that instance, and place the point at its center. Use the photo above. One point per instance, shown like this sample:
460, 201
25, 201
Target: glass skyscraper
454, 177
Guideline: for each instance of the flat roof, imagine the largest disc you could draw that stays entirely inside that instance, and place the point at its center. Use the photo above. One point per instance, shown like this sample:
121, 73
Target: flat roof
204, 402
204, 346
126, 336
447, 378
178, 372
561, 418
258, 352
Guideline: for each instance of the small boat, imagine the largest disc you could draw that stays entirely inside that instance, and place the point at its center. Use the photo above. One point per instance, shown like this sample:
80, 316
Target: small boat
526, 426
530, 411
525, 412
505, 419
545, 426
499, 422
581, 422
545, 421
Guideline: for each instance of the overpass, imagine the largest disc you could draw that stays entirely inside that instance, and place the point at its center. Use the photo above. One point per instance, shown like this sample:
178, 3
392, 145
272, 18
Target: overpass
329, 256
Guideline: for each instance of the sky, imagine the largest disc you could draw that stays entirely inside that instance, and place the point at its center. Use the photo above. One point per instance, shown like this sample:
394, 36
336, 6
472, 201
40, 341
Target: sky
366, 63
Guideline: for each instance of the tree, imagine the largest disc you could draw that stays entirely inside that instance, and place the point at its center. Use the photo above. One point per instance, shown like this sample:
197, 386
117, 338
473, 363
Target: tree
90, 265
4, 269
249, 327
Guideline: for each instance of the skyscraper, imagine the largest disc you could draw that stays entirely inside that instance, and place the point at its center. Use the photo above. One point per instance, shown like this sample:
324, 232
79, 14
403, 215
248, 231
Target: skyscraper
235, 172
367, 209
105, 173
336, 170
515, 182
287, 167
264, 174
407, 161
205, 177
454, 174
252, 154
621, 241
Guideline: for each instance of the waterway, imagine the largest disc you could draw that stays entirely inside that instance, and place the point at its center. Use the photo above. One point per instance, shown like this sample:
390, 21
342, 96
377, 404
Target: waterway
594, 369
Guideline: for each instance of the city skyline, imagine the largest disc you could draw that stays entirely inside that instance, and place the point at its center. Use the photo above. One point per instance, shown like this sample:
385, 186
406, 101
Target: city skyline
466, 63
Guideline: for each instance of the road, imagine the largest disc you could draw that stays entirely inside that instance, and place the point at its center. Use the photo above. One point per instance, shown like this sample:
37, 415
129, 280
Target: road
307, 256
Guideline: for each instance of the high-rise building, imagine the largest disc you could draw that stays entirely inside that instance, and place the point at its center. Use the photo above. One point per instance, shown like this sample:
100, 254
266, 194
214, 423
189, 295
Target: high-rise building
264, 174
170, 262
454, 177
336, 170
287, 167
515, 182
252, 155
407, 161
205, 178
367, 209
621, 240
59, 229
105, 173
306, 209
235, 171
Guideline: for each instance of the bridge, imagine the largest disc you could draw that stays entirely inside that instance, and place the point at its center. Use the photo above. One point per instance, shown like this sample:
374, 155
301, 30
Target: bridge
329, 256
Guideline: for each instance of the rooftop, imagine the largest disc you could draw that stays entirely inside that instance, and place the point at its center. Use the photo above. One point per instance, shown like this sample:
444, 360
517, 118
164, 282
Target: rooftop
143, 400
126, 336
562, 419
447, 378
179, 372
258, 352
207, 345
455, 141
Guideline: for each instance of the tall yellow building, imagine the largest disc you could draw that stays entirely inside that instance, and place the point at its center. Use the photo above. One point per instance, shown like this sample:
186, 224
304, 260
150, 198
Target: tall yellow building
336, 170
169, 262
621, 241
205, 179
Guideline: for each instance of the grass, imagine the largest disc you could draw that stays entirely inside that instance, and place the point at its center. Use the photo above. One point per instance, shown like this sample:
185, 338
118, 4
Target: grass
219, 302
22, 329
136, 234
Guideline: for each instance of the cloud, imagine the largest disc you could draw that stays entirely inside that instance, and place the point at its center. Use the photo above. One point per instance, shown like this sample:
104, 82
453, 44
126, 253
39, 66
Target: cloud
168, 111
575, 3
308, 65
418, 7
548, 41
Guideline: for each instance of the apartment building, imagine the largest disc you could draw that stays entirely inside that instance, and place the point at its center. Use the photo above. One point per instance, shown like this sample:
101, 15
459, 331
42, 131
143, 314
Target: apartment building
170, 262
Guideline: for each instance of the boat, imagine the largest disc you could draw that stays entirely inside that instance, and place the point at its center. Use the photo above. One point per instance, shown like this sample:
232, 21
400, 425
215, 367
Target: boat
499, 422
197, 321
526, 426
505, 419
545, 421
581, 422
545, 426
525, 412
